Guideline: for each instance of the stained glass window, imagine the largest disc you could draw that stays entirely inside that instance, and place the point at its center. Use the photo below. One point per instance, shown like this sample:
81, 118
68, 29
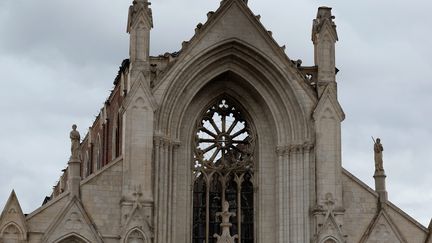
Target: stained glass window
223, 171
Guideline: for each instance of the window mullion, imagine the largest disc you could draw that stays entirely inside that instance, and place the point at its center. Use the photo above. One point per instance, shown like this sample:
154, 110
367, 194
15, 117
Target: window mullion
208, 183
239, 181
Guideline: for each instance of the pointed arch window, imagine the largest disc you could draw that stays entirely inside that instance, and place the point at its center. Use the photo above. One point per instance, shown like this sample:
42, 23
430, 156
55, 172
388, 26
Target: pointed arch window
136, 237
99, 153
330, 241
72, 239
11, 234
223, 171
87, 164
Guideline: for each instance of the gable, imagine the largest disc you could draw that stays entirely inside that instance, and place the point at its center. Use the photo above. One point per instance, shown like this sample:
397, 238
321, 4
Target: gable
13, 217
328, 106
72, 220
234, 20
234, 23
330, 230
382, 230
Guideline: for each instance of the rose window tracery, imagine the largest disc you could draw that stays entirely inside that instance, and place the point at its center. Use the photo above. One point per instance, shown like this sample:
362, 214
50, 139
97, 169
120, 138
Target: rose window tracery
224, 141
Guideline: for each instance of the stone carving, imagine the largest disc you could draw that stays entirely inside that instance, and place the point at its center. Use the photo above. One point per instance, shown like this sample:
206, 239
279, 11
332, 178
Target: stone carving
329, 203
225, 237
73, 222
378, 149
12, 211
139, 6
323, 16
75, 142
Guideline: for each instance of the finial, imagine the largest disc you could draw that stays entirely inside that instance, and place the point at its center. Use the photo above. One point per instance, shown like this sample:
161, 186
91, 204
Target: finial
225, 237
324, 15
75, 142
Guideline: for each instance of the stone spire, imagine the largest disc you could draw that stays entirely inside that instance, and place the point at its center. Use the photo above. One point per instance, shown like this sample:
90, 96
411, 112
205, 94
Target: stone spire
140, 22
324, 37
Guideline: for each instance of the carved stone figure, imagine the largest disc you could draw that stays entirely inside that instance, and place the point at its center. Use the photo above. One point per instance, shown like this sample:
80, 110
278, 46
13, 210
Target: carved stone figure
75, 141
378, 149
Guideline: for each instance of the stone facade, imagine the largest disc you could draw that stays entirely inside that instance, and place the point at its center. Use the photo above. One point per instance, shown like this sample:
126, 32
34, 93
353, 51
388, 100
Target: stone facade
133, 178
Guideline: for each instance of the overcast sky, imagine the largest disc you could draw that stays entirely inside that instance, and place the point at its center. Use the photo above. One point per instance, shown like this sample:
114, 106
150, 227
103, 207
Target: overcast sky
58, 60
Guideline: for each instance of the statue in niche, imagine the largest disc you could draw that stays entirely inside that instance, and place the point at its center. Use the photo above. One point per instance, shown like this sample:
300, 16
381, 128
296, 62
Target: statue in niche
378, 150
75, 140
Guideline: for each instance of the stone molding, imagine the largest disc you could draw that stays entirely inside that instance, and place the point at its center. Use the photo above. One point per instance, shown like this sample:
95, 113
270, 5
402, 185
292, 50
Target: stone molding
164, 141
292, 148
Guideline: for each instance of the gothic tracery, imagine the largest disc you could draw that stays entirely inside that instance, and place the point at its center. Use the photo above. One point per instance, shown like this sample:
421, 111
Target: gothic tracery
223, 171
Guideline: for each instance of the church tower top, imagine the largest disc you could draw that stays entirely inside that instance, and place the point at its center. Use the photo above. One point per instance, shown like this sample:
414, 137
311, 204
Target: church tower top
139, 8
140, 22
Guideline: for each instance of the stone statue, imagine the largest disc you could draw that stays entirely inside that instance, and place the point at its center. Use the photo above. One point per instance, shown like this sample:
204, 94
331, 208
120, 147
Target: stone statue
75, 140
378, 149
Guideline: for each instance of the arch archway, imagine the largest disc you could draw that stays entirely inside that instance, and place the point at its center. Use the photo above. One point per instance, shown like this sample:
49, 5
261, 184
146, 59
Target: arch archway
136, 236
276, 104
330, 240
231, 85
72, 240
11, 233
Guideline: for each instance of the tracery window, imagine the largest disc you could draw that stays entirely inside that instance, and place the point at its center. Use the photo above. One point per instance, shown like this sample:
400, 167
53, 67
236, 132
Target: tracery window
11, 234
99, 154
223, 171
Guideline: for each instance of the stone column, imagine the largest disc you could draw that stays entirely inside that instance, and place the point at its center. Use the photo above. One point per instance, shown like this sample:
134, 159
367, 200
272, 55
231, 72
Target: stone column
164, 154
380, 185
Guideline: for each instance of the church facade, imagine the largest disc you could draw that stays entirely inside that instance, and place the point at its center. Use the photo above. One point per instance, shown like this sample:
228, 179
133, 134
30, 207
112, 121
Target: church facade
226, 140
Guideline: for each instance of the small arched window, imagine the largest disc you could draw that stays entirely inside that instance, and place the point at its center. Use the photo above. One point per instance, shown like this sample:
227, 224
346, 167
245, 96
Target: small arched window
136, 237
223, 171
99, 153
330, 241
11, 234
116, 138
72, 239
87, 164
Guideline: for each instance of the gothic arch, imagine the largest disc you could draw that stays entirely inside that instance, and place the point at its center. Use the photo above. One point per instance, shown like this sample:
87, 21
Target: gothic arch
72, 238
272, 96
136, 235
11, 233
257, 113
264, 77
330, 240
